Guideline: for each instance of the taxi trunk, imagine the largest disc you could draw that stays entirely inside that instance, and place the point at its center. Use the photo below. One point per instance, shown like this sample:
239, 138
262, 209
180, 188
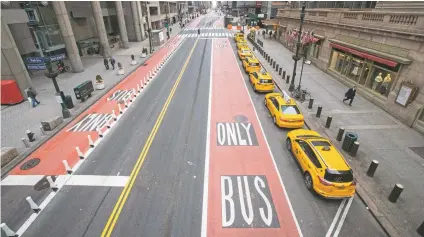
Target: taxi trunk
335, 184
265, 85
291, 121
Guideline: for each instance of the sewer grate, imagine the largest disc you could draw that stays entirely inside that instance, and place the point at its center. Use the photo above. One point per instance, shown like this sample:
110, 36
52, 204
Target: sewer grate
30, 164
418, 150
43, 183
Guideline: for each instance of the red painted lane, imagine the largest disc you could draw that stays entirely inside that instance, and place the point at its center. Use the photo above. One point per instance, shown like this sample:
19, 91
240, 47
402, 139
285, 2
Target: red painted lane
230, 98
62, 145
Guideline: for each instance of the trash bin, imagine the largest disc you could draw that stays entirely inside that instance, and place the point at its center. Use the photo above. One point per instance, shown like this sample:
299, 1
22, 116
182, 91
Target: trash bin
348, 141
68, 102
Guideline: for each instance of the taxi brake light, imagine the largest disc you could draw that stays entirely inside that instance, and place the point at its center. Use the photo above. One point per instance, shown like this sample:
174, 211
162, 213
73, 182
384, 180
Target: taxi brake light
324, 182
353, 182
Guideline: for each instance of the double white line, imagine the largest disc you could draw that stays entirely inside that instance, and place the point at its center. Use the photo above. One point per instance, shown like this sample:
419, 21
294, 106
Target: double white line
344, 206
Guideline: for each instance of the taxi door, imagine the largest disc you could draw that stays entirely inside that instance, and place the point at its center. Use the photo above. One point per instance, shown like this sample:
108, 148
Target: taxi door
245, 64
299, 153
274, 107
253, 78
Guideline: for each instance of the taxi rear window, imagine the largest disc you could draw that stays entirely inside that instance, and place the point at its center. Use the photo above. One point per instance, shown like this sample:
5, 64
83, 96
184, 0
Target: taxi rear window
290, 109
254, 64
265, 81
340, 176
246, 51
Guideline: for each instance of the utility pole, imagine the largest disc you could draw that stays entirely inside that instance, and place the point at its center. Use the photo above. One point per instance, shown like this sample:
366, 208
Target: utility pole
297, 57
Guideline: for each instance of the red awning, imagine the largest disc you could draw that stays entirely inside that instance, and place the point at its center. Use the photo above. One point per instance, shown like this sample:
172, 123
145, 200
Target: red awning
365, 55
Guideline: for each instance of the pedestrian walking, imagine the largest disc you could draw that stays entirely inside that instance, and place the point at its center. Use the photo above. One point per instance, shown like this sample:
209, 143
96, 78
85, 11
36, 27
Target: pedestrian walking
270, 34
112, 62
170, 29
263, 34
167, 34
106, 63
31, 95
350, 94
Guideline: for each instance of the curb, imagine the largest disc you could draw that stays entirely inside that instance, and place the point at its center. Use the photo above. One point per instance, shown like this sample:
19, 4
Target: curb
375, 211
17, 160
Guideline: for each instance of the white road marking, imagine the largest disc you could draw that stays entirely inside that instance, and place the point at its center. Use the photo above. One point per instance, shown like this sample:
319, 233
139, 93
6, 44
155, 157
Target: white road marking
269, 149
342, 219
336, 217
206, 175
21, 180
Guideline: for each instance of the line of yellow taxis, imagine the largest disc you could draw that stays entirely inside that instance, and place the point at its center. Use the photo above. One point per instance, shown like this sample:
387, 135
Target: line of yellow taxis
324, 169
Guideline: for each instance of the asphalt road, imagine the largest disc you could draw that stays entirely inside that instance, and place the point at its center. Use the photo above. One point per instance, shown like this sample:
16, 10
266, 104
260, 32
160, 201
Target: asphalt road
166, 198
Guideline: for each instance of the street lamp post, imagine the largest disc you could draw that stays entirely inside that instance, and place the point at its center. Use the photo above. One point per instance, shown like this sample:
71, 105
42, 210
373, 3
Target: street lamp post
149, 31
297, 57
52, 75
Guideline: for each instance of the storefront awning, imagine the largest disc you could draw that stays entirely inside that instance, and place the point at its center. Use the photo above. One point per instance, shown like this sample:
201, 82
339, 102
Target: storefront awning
365, 55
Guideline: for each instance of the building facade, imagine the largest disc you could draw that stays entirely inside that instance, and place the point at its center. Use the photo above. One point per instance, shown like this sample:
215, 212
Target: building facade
379, 51
37, 29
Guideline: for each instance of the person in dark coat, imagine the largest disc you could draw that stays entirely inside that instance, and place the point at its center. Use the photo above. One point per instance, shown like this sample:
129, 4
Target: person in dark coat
106, 63
112, 62
31, 94
350, 94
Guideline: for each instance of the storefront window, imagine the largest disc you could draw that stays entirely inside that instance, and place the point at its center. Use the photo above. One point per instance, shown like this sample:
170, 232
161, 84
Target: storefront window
314, 49
365, 73
381, 80
338, 59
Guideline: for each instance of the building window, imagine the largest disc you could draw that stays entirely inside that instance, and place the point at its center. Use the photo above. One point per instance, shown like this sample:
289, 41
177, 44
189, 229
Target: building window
314, 49
373, 75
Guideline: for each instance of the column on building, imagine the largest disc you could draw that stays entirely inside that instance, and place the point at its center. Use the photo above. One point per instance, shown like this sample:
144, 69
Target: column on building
141, 19
137, 28
121, 23
12, 66
101, 30
149, 17
68, 35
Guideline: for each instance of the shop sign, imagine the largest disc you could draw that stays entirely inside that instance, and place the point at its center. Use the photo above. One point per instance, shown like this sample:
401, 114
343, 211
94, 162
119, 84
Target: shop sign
39, 63
406, 93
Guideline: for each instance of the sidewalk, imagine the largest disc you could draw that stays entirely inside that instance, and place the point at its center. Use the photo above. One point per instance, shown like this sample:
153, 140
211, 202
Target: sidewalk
15, 120
381, 138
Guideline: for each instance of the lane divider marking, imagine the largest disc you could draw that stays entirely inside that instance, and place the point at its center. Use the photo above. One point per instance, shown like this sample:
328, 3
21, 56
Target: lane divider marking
107, 231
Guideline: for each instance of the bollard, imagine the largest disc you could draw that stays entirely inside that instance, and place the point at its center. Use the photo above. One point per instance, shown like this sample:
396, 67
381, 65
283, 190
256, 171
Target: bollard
373, 167
53, 186
269, 59
319, 111
99, 131
420, 229
114, 115
340, 134
328, 123
284, 74
7, 230
272, 60
30, 135
80, 155
273, 64
42, 130
276, 67
25, 142
108, 124
354, 149
90, 141
288, 79
311, 103
138, 88
125, 103
33, 205
279, 73
67, 168
396, 191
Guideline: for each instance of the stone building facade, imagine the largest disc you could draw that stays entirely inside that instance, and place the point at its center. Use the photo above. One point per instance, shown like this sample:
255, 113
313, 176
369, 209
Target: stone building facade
381, 52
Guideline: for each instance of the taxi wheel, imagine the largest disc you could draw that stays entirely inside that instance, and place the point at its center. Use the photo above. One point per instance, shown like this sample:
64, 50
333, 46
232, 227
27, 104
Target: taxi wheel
289, 145
308, 181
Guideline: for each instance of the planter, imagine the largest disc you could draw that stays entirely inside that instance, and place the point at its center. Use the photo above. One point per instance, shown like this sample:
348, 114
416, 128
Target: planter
100, 86
133, 62
143, 55
121, 71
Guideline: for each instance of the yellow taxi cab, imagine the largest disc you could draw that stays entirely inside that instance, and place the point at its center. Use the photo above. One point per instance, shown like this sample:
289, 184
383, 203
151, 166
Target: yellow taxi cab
284, 110
324, 169
251, 64
241, 43
238, 36
243, 52
261, 81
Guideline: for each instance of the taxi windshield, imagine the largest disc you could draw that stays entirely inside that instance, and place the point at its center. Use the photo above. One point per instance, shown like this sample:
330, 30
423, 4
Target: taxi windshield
290, 109
254, 64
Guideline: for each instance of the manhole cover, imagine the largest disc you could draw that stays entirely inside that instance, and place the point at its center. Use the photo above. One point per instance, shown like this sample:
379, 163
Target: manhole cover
241, 118
30, 164
418, 150
43, 183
